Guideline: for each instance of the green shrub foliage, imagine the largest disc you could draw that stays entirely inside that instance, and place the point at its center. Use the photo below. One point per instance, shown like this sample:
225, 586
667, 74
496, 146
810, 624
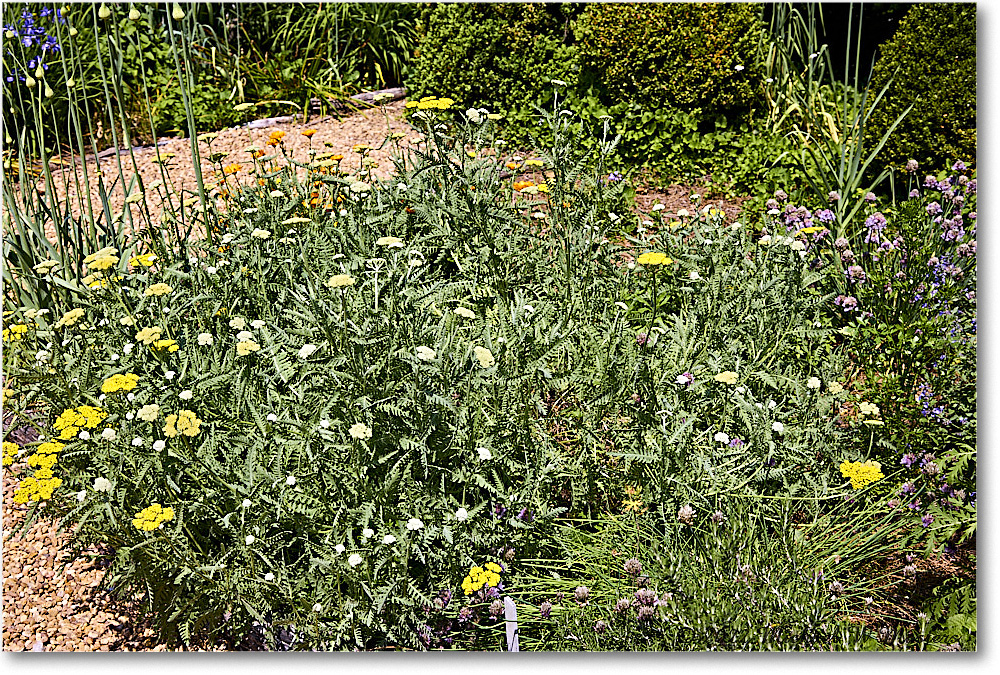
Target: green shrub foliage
933, 60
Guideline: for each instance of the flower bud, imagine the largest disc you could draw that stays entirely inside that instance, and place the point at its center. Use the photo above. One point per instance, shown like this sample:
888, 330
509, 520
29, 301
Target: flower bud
104, 12
48, 91
73, 32
29, 82
39, 72
178, 13
71, 83
133, 14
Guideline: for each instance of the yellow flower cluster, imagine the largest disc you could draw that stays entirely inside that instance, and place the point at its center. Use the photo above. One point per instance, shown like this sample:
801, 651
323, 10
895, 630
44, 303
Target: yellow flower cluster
146, 260
479, 577
248, 347
70, 317
653, 258
33, 489
41, 485
149, 335
862, 474
10, 451
46, 455
15, 332
152, 517
726, 377
72, 420
166, 345
185, 422
124, 382
102, 260
157, 290
431, 103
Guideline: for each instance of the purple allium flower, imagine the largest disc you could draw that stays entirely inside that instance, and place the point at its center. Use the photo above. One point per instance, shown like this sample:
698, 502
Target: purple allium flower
847, 257
641, 339
614, 177
914, 193
841, 243
464, 614
736, 443
546, 609
685, 379
645, 597
912, 166
927, 519
771, 204
870, 197
958, 166
717, 517
633, 567
825, 216
856, 274
780, 195
910, 571
908, 459
686, 514
496, 608
646, 613
582, 594
622, 605
933, 208
930, 182
600, 627
834, 196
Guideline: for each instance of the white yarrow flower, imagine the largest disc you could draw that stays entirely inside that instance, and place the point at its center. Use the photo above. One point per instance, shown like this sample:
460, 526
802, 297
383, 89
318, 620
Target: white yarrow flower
205, 339
269, 576
85, 435
246, 503
257, 324
813, 383
109, 434
102, 484
426, 354
81, 496
307, 350
414, 524
271, 417
317, 607
324, 424
159, 445
137, 441
354, 560
461, 515
367, 533
778, 427
260, 234
290, 481
388, 539
169, 374
360, 431
186, 395
484, 453
244, 336
250, 539
722, 437
339, 548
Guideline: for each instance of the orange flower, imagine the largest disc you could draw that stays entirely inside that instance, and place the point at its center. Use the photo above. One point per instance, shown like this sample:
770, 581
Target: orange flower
512, 166
521, 184
337, 158
309, 133
277, 135
230, 169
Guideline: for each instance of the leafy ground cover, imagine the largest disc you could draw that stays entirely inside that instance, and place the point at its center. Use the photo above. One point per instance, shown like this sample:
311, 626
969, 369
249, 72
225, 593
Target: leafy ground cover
358, 412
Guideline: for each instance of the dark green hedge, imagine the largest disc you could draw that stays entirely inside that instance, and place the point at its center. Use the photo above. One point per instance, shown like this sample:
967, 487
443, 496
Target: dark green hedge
676, 55
935, 53
497, 55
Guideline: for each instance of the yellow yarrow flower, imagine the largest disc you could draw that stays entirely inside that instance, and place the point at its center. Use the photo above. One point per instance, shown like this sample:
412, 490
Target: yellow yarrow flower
15, 332
862, 474
726, 377
126, 382
72, 420
10, 452
340, 281
157, 290
248, 347
152, 517
70, 317
653, 258
184, 422
479, 577
149, 335
145, 260
166, 345
103, 259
